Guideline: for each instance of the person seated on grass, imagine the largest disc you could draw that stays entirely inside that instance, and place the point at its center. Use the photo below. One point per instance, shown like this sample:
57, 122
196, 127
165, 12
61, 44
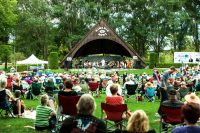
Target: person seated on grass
45, 115
68, 89
137, 123
191, 113
18, 104
84, 121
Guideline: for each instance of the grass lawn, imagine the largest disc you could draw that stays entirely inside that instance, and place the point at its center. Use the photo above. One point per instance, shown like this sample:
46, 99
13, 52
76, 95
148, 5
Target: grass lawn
17, 125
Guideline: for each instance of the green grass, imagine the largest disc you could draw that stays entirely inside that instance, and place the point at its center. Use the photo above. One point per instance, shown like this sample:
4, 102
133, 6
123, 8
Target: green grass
17, 125
121, 71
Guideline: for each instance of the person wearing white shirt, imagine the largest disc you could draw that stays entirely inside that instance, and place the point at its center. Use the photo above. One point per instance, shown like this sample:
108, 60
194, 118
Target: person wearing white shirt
108, 93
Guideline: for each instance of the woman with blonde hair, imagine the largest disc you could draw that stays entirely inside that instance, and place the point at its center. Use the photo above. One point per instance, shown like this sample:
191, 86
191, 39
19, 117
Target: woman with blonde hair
138, 123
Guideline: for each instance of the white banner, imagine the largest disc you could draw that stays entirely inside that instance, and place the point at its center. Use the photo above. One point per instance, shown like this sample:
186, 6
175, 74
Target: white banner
186, 57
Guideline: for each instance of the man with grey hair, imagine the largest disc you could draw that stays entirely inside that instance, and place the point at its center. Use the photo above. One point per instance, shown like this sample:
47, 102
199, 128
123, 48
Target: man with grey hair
84, 121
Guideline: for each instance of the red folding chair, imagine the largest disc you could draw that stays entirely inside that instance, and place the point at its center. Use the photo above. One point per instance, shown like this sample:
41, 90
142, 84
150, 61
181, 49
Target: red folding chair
114, 113
94, 87
171, 116
67, 105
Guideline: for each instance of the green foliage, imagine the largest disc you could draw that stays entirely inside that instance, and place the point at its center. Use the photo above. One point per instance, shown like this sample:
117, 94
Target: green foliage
177, 65
17, 57
8, 18
153, 60
20, 68
53, 60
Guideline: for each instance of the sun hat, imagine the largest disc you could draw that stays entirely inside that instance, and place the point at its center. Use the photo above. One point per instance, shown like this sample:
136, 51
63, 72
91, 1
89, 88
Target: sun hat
192, 98
148, 84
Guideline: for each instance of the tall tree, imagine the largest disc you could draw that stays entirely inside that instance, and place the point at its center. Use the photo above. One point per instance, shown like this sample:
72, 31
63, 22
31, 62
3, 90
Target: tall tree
34, 27
8, 19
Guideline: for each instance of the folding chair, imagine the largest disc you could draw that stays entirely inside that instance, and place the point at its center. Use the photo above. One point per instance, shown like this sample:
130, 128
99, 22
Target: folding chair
114, 113
5, 106
67, 105
183, 92
171, 116
36, 89
94, 87
131, 91
150, 93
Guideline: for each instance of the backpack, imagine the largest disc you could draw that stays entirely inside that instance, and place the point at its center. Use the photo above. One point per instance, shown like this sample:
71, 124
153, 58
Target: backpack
29, 95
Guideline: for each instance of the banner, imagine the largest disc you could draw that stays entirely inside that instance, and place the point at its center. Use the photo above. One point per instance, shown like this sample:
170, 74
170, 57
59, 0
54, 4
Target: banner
186, 57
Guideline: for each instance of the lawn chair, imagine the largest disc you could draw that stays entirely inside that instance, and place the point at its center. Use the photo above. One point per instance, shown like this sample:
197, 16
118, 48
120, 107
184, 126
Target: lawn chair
131, 91
114, 113
170, 116
94, 87
36, 89
183, 92
67, 105
5, 106
150, 93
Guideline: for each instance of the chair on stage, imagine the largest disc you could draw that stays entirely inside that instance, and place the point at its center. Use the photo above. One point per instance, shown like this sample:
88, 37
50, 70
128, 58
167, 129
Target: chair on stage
116, 115
67, 105
170, 116
94, 87
131, 91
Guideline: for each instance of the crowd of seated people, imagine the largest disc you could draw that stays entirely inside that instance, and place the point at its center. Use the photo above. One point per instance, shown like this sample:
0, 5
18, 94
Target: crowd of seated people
67, 84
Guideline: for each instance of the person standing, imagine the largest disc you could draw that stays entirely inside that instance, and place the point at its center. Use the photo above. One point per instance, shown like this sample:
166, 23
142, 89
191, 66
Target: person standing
164, 83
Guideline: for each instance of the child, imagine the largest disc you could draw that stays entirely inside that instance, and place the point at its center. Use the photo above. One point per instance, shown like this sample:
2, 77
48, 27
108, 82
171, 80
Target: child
18, 104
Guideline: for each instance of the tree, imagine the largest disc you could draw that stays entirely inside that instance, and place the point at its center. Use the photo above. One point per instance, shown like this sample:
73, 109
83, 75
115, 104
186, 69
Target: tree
8, 19
34, 27
5, 53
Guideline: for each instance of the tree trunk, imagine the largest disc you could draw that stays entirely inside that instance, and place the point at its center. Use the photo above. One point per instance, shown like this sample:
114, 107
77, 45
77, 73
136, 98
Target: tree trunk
196, 38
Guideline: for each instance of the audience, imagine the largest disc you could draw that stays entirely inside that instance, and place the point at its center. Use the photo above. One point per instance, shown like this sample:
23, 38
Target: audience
172, 102
68, 89
45, 115
137, 123
84, 121
18, 86
18, 104
192, 98
114, 98
191, 114
5, 95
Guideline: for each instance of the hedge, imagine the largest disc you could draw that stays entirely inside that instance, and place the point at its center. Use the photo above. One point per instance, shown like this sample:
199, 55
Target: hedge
153, 60
177, 65
53, 60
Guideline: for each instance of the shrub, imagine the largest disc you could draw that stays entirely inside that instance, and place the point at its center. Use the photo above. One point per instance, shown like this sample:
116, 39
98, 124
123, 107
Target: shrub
53, 60
153, 60
177, 65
